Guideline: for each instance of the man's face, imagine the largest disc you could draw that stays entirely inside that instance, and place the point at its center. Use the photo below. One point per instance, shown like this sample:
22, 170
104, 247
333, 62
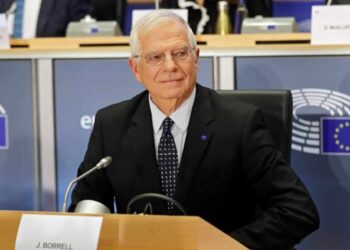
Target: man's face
167, 64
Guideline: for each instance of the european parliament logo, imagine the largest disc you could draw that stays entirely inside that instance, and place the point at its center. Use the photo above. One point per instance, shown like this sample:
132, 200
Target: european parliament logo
335, 135
326, 133
4, 141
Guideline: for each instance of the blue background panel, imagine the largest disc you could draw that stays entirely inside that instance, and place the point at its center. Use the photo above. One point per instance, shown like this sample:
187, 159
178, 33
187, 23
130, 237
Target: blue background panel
17, 182
327, 177
3, 132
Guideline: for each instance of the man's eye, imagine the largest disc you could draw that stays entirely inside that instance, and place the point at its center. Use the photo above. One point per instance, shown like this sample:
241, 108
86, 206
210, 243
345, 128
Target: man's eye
180, 53
155, 57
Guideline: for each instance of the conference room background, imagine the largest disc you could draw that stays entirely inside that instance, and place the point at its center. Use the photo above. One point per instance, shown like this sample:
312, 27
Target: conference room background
321, 94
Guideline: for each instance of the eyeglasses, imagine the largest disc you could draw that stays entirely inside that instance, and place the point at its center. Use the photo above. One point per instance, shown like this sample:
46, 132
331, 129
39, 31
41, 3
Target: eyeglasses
178, 55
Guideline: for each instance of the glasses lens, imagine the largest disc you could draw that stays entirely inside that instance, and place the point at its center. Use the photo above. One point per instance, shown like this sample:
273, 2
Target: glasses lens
154, 58
178, 55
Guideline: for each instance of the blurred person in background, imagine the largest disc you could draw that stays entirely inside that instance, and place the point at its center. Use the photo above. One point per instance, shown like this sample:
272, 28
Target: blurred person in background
43, 18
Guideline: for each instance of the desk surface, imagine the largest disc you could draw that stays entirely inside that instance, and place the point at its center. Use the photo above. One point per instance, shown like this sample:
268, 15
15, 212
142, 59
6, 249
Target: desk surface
134, 232
246, 40
211, 45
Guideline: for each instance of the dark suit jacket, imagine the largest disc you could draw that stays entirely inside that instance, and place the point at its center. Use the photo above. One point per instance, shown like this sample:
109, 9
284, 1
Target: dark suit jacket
55, 15
234, 179
5, 5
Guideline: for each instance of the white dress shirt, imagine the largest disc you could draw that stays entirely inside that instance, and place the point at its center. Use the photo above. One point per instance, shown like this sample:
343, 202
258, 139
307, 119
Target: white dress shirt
30, 18
181, 117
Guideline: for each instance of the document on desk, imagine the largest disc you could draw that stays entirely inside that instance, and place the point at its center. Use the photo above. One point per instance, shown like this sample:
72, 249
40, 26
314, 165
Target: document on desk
58, 232
4, 35
330, 25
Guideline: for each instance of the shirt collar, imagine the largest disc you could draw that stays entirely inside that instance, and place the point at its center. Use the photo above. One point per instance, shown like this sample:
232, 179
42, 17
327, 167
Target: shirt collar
181, 116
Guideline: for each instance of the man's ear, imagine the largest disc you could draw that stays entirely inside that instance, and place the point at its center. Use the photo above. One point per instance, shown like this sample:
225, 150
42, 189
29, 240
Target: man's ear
197, 51
134, 68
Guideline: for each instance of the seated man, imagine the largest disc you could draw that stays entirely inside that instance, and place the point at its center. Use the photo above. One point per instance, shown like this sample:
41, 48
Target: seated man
180, 139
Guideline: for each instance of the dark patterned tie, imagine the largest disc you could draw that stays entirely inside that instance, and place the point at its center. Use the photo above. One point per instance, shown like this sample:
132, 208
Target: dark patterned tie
167, 160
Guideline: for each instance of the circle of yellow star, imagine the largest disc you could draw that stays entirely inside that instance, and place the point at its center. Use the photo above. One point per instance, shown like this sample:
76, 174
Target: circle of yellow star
342, 146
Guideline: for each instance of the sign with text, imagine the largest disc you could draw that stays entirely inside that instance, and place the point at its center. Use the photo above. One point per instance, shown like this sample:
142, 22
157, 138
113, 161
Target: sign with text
58, 232
4, 35
330, 25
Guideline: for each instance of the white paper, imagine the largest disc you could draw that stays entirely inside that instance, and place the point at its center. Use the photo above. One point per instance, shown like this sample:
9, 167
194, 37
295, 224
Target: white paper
137, 14
4, 35
58, 232
330, 25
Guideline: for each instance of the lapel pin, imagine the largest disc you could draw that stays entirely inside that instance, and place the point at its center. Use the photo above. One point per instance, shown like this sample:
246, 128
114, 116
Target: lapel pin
203, 137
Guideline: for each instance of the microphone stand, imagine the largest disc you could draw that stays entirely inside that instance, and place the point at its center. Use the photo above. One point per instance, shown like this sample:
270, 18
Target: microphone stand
106, 161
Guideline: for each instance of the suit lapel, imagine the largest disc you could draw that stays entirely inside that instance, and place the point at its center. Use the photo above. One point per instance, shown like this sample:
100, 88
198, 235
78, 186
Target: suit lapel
197, 139
142, 143
44, 15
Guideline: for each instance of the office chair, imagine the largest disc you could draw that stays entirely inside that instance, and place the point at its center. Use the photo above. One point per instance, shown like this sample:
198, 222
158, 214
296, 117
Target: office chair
277, 109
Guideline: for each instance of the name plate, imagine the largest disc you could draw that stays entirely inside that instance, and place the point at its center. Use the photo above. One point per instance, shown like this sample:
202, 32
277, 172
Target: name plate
4, 35
58, 232
330, 25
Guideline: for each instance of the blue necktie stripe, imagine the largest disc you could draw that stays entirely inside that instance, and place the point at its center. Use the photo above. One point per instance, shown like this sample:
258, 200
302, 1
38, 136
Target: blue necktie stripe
18, 26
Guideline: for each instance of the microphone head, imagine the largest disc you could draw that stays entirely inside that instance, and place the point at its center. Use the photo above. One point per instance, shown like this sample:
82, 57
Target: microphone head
105, 162
91, 207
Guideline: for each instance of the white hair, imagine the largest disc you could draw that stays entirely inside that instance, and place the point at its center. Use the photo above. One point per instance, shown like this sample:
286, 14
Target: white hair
152, 20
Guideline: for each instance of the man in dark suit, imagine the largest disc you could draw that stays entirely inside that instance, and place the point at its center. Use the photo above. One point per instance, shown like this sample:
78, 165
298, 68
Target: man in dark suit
177, 138
54, 16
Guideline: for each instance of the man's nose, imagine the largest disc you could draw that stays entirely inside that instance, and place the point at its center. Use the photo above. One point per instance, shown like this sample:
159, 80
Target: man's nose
169, 62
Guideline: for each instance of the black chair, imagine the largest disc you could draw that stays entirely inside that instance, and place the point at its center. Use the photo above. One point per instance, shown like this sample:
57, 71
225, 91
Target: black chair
277, 108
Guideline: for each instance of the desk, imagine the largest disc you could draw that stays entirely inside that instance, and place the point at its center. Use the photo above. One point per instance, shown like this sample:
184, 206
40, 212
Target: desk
134, 232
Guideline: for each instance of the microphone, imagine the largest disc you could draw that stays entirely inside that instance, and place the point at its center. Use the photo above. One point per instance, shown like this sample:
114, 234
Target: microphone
154, 196
104, 162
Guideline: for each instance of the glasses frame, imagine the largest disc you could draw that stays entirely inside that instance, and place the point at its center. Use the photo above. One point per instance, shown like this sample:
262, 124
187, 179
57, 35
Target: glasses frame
173, 54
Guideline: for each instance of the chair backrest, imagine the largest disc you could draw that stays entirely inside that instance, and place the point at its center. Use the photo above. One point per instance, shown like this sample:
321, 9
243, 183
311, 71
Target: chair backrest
277, 109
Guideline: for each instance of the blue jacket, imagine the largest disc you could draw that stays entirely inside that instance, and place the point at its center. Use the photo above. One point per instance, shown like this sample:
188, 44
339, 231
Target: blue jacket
55, 15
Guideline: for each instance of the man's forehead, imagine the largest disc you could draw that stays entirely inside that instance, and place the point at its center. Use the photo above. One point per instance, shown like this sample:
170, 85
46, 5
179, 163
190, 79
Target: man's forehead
168, 27
169, 34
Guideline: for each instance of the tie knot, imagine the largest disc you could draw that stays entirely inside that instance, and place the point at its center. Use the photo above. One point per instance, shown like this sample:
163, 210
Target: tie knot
167, 124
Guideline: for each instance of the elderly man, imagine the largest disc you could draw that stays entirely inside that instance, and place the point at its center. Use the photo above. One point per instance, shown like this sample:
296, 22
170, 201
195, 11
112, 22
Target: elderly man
177, 138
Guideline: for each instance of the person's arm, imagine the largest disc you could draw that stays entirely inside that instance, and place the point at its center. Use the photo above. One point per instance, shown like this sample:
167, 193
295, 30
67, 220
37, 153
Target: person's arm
286, 212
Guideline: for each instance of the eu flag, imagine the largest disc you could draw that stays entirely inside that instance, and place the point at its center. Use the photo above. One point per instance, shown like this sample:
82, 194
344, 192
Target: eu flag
335, 135
3, 132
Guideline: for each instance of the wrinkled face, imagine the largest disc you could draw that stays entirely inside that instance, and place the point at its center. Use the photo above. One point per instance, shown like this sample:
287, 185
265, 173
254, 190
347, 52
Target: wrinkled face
167, 64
